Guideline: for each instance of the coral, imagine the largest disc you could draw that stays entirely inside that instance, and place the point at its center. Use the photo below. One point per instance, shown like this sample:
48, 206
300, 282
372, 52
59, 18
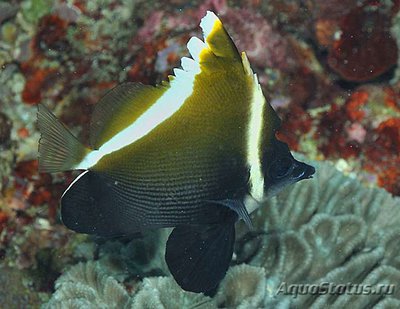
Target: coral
86, 285
34, 191
33, 10
395, 31
35, 84
36, 238
6, 150
300, 125
331, 230
95, 284
51, 35
331, 9
69, 43
5, 129
7, 10
366, 126
14, 290
243, 287
140, 257
161, 37
365, 48
164, 292
387, 143
332, 127
263, 45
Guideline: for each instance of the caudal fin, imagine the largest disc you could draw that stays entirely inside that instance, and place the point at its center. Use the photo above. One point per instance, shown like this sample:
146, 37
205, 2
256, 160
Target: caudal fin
59, 150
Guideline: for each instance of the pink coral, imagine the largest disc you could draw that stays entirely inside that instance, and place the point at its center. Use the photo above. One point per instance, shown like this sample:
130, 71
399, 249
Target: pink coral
252, 33
150, 27
356, 132
365, 48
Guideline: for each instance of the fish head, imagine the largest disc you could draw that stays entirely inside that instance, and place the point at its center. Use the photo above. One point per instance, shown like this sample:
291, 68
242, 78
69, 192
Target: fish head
281, 168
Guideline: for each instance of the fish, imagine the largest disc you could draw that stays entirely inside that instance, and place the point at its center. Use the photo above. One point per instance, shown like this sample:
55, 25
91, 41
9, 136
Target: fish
196, 153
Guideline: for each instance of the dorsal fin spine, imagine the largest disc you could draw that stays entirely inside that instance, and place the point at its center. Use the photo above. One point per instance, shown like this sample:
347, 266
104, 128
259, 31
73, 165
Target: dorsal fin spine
207, 24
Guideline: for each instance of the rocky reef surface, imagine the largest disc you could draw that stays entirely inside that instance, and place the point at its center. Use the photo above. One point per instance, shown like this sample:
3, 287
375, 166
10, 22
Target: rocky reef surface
329, 68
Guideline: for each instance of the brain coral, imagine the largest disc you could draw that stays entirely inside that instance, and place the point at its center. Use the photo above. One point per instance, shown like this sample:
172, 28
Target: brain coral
331, 229
85, 285
164, 292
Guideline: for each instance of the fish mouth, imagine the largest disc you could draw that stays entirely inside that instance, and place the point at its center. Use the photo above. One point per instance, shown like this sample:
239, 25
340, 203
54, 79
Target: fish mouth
309, 173
302, 171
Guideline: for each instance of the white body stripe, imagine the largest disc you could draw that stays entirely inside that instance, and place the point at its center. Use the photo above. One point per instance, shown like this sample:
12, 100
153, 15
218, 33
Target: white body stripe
72, 183
254, 136
181, 87
251, 204
167, 105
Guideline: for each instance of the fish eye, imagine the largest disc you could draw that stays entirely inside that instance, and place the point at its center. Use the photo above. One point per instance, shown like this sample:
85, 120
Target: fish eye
280, 168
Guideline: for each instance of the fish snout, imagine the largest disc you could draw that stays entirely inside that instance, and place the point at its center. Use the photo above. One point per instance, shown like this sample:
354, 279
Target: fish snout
302, 171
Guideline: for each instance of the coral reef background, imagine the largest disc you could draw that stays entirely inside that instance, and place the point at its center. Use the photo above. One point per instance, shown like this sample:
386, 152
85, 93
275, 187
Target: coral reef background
329, 68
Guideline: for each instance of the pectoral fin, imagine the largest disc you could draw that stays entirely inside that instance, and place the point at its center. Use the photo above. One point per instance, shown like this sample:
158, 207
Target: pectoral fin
239, 207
